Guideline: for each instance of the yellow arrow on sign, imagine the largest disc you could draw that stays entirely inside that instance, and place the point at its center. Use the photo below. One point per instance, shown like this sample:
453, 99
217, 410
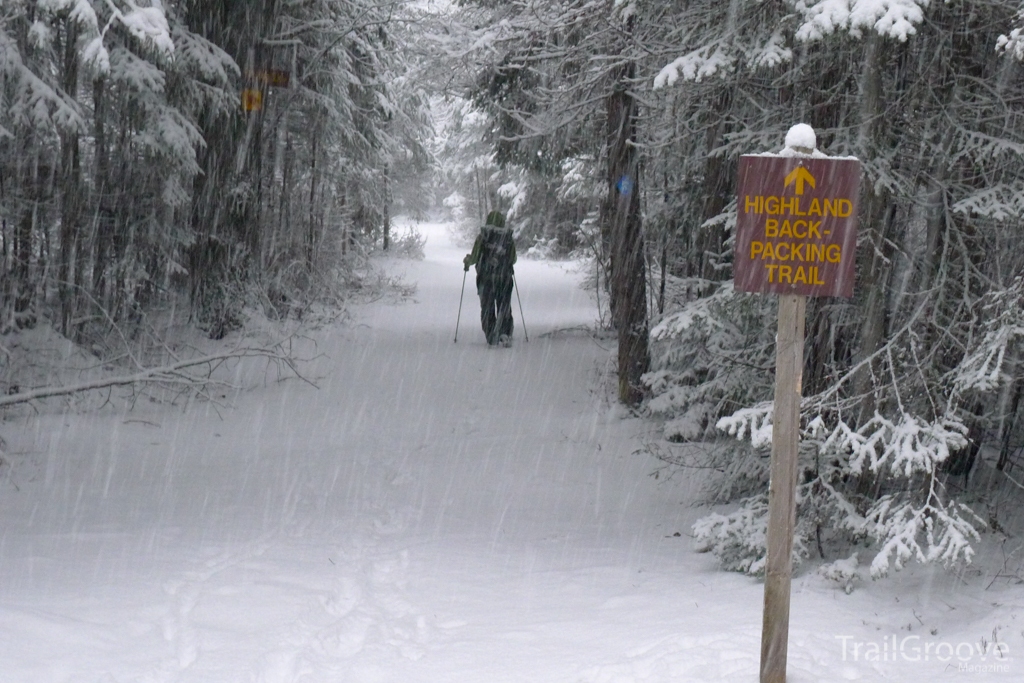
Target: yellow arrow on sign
799, 175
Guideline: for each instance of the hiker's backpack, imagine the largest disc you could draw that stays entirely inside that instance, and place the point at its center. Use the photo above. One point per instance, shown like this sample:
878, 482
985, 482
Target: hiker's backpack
495, 251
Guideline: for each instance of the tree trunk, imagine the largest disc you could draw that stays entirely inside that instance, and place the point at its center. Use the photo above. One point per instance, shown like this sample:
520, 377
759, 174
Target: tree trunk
718, 177
103, 220
232, 160
629, 286
71, 189
879, 215
119, 300
385, 208
311, 228
23, 286
6, 312
1008, 421
284, 218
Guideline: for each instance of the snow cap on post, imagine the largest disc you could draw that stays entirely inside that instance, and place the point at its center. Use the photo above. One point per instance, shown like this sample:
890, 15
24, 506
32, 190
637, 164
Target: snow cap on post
796, 220
802, 139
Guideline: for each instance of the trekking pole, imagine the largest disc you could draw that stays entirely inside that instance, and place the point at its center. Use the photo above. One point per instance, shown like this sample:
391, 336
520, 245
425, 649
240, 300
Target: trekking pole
464, 273
520, 307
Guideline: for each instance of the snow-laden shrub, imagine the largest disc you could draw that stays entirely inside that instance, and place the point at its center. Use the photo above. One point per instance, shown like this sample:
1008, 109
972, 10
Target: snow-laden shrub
908, 516
916, 520
738, 539
408, 243
842, 572
709, 359
878, 442
874, 479
543, 249
456, 205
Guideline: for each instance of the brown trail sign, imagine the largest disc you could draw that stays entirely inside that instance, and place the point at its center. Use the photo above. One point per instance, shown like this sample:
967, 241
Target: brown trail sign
796, 222
796, 235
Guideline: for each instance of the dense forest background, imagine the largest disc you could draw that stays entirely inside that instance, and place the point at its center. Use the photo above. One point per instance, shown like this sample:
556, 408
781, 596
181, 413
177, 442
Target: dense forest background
153, 151
229, 150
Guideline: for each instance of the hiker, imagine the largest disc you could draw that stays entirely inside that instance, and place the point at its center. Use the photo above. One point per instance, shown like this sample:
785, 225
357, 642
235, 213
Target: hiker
493, 253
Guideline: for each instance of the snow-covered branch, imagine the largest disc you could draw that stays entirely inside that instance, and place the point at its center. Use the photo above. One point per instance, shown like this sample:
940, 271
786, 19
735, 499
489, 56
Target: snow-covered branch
177, 372
983, 368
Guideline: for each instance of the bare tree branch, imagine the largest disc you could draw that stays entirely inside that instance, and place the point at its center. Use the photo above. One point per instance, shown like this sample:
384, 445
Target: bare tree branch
165, 374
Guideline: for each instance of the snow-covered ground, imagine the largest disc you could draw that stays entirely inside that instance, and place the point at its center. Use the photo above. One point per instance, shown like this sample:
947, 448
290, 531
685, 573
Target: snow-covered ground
433, 512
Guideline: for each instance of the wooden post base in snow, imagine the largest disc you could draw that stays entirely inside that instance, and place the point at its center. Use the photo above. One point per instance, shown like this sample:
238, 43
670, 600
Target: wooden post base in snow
789, 364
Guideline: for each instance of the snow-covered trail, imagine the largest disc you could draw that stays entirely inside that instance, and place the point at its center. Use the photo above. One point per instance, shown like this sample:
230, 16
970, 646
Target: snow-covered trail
432, 512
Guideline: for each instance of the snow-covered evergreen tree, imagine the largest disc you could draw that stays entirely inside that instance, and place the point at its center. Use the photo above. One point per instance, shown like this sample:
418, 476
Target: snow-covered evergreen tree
897, 396
135, 168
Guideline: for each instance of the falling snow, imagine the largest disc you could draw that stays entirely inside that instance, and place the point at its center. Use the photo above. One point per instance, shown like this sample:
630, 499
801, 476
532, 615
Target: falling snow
434, 511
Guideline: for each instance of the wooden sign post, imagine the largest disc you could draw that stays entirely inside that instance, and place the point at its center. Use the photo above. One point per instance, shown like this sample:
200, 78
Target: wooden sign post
796, 232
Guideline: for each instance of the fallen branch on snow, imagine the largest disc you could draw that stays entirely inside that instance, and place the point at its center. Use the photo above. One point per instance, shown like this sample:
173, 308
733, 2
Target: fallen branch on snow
173, 373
